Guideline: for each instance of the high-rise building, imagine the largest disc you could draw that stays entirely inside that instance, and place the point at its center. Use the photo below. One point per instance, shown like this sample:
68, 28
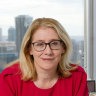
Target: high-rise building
75, 53
12, 34
0, 34
7, 53
22, 23
78, 52
81, 52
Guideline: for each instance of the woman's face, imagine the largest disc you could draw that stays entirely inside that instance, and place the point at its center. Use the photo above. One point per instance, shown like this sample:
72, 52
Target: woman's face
48, 58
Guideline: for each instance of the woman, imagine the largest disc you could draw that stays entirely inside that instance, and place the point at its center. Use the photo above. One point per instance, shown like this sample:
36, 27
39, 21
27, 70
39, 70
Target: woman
43, 68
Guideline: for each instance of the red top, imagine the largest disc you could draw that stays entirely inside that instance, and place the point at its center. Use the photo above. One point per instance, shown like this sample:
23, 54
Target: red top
12, 85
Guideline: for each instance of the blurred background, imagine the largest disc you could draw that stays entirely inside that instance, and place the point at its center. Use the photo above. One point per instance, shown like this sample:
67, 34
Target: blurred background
77, 17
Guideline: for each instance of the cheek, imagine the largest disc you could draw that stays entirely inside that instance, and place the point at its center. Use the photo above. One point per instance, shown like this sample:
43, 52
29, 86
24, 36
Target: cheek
36, 55
59, 52
33, 52
58, 55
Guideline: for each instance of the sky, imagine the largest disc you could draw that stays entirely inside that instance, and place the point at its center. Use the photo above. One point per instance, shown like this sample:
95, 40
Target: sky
70, 13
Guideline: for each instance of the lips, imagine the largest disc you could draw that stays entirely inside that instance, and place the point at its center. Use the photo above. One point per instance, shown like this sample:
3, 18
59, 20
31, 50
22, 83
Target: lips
49, 59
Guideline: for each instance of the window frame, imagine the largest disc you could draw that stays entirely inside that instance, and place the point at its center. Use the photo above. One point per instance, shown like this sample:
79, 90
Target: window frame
88, 39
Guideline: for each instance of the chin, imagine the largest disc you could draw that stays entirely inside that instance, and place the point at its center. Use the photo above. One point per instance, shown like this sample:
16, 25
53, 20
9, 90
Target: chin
49, 66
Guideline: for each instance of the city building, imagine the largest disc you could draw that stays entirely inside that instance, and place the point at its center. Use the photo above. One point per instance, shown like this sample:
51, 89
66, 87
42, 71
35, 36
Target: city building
75, 55
7, 46
12, 34
7, 53
0, 34
78, 51
81, 52
22, 22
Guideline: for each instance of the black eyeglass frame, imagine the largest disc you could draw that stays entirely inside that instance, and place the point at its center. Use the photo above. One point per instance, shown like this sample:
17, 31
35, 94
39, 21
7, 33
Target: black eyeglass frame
47, 44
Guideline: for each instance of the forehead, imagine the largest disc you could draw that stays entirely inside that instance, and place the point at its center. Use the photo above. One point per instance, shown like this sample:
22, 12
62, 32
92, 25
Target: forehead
45, 34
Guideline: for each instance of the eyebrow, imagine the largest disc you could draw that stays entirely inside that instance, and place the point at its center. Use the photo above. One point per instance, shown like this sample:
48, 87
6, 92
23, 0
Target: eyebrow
44, 41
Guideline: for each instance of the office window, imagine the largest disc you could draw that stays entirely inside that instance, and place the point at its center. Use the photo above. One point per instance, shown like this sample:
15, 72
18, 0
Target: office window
17, 16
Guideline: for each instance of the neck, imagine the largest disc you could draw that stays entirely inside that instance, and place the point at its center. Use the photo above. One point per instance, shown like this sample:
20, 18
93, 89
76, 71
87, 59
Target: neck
46, 75
46, 80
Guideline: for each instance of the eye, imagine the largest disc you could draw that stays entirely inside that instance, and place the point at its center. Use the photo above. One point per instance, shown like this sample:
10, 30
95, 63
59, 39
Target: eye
39, 44
54, 43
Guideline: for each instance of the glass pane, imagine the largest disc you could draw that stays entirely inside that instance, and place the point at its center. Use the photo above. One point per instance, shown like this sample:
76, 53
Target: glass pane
17, 16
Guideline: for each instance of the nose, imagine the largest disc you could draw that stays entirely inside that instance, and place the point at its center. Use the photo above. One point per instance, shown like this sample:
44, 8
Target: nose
48, 50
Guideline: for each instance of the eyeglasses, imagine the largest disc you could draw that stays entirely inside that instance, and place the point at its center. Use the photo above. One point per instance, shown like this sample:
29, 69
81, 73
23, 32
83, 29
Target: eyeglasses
41, 46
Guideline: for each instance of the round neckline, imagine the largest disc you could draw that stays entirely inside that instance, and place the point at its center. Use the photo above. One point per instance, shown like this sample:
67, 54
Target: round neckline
46, 88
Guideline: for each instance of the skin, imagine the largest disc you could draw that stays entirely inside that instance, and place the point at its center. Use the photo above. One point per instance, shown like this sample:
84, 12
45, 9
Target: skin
46, 61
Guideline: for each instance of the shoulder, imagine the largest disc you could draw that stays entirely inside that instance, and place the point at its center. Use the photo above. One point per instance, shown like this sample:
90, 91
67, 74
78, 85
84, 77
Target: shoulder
11, 70
10, 75
79, 82
78, 68
9, 80
79, 74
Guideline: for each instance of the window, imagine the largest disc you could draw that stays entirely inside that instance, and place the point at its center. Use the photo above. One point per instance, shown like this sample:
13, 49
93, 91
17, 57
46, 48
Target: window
90, 41
17, 16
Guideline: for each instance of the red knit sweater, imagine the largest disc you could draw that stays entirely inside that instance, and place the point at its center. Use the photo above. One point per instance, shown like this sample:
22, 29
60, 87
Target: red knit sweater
12, 85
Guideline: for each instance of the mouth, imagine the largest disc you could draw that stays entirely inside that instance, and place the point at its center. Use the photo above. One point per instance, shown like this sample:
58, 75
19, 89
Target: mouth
47, 59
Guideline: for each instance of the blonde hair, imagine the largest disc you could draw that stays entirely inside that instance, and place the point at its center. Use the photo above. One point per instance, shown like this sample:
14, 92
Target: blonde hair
27, 61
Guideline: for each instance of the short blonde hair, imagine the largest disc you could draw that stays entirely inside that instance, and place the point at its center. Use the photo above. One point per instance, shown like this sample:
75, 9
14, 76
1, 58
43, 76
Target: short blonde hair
27, 61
